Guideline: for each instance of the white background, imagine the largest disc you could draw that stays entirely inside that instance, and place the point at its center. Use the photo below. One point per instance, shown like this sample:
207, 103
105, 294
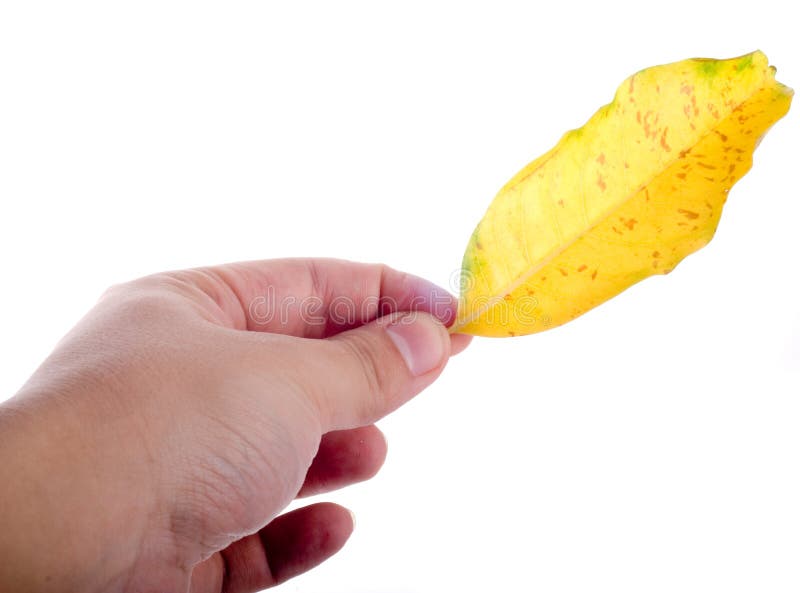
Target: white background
651, 445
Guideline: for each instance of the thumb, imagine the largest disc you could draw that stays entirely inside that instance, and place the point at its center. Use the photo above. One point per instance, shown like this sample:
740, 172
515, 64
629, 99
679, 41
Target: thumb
365, 373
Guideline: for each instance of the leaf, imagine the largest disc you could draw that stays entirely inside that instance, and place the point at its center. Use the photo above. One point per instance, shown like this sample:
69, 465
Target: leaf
628, 195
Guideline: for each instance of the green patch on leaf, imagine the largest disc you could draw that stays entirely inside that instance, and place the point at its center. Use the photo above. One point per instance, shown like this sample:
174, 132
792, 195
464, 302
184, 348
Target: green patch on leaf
744, 63
709, 67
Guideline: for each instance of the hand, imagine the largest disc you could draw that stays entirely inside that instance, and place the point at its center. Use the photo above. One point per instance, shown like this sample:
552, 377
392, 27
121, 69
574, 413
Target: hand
155, 448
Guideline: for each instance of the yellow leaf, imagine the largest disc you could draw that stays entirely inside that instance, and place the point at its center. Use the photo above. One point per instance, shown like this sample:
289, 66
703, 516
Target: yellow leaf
628, 195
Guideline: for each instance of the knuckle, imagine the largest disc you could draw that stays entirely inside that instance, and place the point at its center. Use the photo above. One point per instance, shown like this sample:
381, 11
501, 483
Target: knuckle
375, 376
141, 312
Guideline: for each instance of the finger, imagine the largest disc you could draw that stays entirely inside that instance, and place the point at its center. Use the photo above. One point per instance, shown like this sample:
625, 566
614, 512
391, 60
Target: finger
312, 298
345, 457
459, 343
359, 376
209, 575
290, 545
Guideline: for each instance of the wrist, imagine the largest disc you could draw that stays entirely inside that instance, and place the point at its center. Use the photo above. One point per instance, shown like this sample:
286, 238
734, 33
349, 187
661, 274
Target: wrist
70, 520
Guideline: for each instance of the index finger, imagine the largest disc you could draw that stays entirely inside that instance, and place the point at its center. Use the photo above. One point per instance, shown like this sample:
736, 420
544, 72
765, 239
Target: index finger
315, 297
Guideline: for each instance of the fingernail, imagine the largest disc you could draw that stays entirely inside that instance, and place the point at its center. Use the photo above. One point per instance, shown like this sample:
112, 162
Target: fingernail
352, 517
419, 340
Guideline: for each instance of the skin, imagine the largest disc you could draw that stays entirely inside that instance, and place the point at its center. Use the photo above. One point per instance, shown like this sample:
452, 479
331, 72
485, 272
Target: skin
156, 447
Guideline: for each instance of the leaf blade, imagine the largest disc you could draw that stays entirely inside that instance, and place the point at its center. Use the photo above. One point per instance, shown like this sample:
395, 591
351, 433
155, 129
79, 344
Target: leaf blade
605, 196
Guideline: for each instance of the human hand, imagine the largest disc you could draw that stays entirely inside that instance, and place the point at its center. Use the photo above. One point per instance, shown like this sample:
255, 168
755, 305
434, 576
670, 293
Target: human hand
155, 448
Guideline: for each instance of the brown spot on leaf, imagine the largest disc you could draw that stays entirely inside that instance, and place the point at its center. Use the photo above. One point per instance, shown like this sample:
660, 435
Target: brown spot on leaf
705, 165
664, 144
688, 213
601, 159
601, 183
656, 254
582, 267
616, 230
594, 274
630, 223
561, 203
563, 272
646, 124
722, 136
680, 175
686, 89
